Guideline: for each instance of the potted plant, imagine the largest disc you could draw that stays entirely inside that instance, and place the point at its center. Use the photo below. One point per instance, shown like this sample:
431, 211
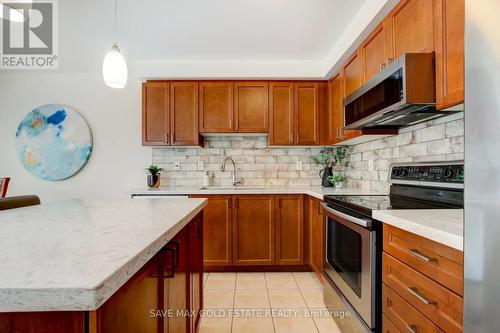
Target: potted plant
153, 172
338, 180
328, 159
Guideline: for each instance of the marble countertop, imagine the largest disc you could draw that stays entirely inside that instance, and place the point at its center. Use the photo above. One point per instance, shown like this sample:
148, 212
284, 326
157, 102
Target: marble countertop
73, 255
314, 191
445, 226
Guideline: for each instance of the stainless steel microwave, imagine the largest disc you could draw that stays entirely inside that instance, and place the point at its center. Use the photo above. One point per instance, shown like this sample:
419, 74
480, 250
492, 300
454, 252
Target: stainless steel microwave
402, 94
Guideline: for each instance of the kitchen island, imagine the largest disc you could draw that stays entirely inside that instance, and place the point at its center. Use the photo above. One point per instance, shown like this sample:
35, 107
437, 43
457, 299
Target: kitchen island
62, 263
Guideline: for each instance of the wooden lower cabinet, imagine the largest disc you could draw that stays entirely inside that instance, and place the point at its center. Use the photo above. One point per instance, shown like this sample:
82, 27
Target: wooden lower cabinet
420, 288
316, 236
218, 230
289, 229
253, 230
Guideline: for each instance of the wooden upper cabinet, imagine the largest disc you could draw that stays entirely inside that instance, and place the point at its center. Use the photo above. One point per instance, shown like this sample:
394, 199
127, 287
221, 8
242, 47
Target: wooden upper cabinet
352, 74
216, 107
449, 17
410, 27
374, 52
155, 114
184, 114
335, 109
290, 230
251, 107
281, 115
307, 113
253, 230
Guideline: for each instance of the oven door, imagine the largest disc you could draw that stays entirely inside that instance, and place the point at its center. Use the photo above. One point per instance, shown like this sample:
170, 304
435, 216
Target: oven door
350, 260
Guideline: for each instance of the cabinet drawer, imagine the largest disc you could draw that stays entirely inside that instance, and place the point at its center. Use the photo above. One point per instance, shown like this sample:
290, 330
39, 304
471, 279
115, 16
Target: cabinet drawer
388, 326
399, 316
440, 305
441, 263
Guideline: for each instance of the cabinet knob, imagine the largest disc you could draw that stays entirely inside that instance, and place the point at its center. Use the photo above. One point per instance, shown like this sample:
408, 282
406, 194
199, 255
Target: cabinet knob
166, 138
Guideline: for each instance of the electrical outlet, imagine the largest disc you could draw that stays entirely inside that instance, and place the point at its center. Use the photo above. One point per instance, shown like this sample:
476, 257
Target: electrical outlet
370, 165
177, 166
200, 166
298, 165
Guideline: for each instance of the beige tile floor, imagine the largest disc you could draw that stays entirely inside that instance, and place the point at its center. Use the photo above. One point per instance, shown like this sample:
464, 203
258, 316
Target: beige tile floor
264, 303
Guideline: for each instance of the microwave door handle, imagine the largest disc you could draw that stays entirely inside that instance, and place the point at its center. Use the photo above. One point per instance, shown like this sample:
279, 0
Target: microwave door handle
358, 221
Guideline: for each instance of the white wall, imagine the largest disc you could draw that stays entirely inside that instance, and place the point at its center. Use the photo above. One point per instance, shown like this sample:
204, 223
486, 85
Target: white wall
118, 158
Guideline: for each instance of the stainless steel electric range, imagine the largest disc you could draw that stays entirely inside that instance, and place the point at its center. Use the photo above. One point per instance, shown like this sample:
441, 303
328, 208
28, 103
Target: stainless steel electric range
353, 239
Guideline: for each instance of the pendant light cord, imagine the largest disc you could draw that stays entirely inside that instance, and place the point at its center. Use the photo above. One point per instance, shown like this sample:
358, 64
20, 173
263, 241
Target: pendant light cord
114, 24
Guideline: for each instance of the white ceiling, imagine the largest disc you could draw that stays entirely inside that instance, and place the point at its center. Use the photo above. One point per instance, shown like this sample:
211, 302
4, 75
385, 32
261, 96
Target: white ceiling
213, 37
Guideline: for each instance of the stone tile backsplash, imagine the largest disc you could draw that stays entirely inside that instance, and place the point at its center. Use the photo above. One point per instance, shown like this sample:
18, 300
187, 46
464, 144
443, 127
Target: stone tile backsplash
260, 165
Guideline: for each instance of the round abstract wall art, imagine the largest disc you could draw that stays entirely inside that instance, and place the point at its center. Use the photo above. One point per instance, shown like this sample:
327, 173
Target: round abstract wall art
54, 142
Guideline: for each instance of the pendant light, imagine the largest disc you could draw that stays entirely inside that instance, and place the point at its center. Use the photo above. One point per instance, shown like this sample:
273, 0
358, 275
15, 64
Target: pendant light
114, 67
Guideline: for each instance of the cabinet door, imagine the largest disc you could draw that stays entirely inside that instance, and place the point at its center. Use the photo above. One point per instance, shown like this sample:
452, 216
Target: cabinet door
290, 230
128, 310
155, 115
336, 112
317, 236
374, 52
195, 271
175, 283
449, 16
184, 114
217, 230
306, 106
253, 230
251, 107
281, 122
410, 27
352, 74
216, 107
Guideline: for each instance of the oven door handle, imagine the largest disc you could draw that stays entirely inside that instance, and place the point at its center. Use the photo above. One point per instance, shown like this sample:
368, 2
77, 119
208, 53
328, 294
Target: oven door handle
358, 221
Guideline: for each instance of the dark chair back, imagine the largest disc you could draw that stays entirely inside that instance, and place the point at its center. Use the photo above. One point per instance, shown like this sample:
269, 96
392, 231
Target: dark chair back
4, 184
18, 202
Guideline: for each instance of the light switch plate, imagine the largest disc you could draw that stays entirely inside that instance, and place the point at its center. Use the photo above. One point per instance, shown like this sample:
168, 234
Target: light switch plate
298, 165
177, 166
200, 166
370, 165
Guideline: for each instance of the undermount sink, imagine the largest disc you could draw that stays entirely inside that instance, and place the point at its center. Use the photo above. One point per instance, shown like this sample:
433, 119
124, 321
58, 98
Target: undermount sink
230, 188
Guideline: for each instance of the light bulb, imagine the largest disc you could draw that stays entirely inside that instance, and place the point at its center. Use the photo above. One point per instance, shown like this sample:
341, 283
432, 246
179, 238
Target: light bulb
114, 69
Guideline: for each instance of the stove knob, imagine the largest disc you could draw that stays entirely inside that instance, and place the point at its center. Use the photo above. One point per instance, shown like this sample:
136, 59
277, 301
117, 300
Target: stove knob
395, 172
448, 173
403, 172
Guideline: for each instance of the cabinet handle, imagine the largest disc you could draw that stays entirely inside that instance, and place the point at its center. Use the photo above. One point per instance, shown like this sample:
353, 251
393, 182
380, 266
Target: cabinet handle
169, 271
414, 292
291, 137
166, 137
411, 328
231, 124
173, 137
417, 254
174, 246
297, 136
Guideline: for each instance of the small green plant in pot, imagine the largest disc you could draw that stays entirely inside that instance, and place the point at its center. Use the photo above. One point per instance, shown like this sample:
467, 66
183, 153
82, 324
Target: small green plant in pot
329, 159
153, 171
338, 180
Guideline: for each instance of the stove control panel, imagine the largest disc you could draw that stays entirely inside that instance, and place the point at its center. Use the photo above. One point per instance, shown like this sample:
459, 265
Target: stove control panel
432, 173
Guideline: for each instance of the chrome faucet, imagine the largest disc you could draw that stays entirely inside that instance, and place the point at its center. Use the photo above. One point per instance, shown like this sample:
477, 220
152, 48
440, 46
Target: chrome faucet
236, 181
